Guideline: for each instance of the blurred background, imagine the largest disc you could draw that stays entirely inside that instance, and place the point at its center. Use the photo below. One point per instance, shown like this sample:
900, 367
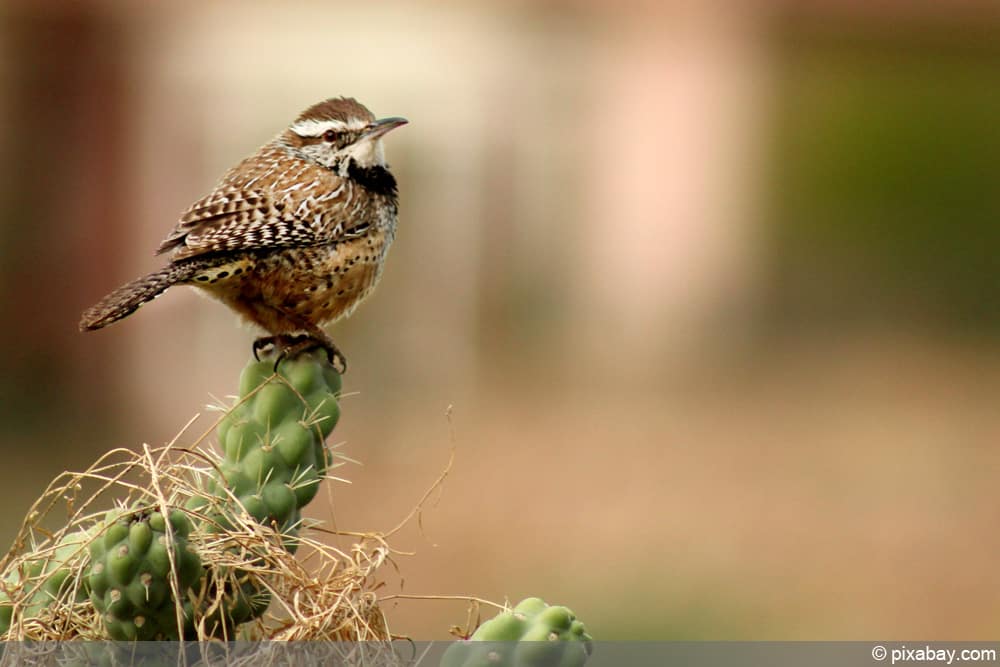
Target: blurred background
712, 288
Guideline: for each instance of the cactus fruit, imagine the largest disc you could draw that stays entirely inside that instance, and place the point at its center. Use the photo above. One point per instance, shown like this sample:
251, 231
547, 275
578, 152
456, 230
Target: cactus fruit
274, 456
130, 583
532, 634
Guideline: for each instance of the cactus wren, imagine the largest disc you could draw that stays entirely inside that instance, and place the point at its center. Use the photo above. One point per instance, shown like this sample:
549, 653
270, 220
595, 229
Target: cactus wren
292, 237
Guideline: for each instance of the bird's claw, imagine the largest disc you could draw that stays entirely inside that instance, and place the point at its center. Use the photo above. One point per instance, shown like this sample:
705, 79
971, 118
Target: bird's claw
289, 346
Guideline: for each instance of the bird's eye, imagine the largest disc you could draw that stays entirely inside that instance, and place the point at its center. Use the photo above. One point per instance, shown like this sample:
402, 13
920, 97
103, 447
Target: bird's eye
330, 136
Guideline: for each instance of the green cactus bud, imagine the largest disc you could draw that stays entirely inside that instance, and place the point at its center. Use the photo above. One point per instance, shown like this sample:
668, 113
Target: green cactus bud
306, 378
114, 535
180, 524
530, 606
254, 375
157, 560
506, 627
278, 400
145, 591
293, 443
327, 414
121, 564
332, 380
558, 619
139, 536
157, 522
263, 465
305, 487
280, 501
243, 438
236, 481
254, 505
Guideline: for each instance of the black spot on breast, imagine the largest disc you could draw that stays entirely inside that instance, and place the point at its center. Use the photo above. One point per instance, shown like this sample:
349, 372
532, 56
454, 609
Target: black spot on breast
223, 274
377, 180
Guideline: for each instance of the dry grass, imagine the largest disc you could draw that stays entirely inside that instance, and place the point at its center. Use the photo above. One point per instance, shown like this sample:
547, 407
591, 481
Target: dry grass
319, 593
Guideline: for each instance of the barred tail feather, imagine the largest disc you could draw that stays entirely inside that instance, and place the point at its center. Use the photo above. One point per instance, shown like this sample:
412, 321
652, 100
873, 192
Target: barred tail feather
126, 299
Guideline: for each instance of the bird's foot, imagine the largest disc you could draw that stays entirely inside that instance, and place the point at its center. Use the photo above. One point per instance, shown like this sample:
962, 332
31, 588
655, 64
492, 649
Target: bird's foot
290, 346
275, 343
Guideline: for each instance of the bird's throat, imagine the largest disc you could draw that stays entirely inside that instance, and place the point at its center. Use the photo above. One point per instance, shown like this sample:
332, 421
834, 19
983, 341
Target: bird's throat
377, 179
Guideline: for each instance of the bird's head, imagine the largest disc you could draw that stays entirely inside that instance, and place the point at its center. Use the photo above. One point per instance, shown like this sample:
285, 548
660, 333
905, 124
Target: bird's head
335, 131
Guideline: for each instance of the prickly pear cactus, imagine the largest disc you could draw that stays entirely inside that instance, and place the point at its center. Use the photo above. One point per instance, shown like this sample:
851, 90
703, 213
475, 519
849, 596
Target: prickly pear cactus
532, 634
129, 579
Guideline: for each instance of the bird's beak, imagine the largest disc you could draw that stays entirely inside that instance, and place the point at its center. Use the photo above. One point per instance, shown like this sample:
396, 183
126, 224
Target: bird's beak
379, 127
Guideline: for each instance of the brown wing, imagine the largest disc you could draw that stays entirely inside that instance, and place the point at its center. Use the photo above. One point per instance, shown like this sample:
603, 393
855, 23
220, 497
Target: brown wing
240, 220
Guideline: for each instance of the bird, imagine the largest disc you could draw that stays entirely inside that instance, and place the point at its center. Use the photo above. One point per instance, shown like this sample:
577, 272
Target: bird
292, 238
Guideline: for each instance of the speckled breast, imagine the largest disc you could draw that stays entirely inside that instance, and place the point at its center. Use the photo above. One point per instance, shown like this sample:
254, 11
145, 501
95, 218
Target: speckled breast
314, 284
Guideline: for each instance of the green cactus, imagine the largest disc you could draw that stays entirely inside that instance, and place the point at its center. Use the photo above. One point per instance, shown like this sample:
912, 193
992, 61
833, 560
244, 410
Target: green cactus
146, 580
274, 460
274, 456
129, 580
532, 634
50, 577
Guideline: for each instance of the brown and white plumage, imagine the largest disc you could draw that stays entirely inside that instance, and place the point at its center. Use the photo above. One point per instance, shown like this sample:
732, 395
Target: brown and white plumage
293, 236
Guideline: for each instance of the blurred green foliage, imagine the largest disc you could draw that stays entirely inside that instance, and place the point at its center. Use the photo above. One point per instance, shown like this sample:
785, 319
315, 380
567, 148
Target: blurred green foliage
885, 200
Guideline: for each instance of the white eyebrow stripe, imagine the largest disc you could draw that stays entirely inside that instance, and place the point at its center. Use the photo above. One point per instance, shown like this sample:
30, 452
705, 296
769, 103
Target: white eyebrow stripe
312, 127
